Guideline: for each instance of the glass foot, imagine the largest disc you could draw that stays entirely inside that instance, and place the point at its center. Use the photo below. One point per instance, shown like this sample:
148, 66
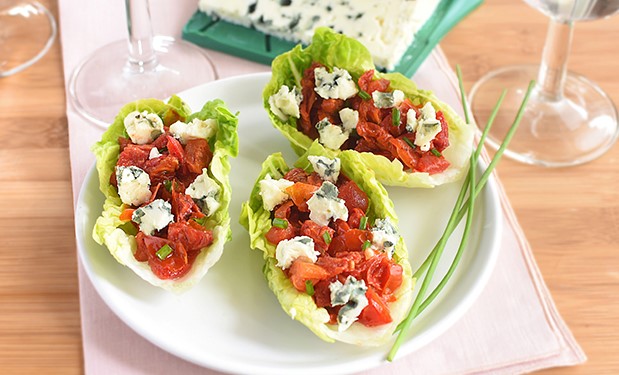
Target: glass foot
106, 80
574, 129
27, 31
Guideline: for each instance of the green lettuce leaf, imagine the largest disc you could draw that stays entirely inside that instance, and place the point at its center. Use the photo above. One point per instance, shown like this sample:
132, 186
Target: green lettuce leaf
300, 306
332, 49
119, 237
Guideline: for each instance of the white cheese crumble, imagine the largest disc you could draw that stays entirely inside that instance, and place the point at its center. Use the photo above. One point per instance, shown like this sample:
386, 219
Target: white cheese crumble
196, 129
288, 251
351, 294
336, 85
154, 153
349, 118
387, 99
143, 127
324, 205
285, 103
426, 127
331, 136
328, 169
133, 185
206, 192
154, 216
384, 236
273, 192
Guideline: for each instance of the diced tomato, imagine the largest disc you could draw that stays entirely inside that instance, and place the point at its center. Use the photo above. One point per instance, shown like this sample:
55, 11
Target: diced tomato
183, 206
383, 275
352, 240
175, 149
376, 313
171, 116
302, 270
441, 141
368, 84
322, 293
314, 179
192, 239
126, 214
276, 234
341, 226
198, 155
354, 218
173, 266
123, 142
432, 164
353, 196
283, 210
300, 193
296, 175
317, 233
162, 168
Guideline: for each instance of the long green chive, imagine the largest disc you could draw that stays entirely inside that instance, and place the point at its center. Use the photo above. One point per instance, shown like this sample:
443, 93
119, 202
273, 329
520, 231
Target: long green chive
164, 252
457, 214
436, 152
309, 287
280, 223
409, 142
327, 237
366, 244
395, 116
364, 95
363, 222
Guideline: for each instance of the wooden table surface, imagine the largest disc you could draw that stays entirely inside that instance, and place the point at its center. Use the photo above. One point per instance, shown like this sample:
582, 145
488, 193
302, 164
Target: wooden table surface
570, 216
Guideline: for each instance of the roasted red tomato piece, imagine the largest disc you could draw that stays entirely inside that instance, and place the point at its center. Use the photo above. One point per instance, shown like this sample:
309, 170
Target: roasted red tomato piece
320, 234
353, 196
383, 275
276, 234
376, 313
174, 265
198, 155
300, 193
352, 240
302, 270
193, 239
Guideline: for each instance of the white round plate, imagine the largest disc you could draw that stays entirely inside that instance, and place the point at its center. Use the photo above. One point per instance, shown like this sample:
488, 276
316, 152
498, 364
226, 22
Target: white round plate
231, 321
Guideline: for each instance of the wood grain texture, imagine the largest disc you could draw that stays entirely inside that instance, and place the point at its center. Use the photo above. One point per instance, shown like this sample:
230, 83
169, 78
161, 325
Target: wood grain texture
570, 216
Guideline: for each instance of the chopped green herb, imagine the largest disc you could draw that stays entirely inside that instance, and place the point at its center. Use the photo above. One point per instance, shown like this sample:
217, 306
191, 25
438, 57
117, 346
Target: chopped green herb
327, 237
409, 142
168, 185
280, 223
309, 287
436, 152
364, 95
363, 222
164, 252
395, 116
366, 244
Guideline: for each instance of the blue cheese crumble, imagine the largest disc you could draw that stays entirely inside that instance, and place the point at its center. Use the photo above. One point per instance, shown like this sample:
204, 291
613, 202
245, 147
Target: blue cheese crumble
387, 99
351, 295
384, 237
288, 251
205, 191
324, 205
336, 85
328, 169
273, 192
196, 129
285, 103
154, 216
133, 185
143, 127
154, 153
330, 135
349, 118
427, 126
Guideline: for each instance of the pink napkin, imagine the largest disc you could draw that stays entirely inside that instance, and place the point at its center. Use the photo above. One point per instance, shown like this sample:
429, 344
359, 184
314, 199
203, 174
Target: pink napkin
513, 327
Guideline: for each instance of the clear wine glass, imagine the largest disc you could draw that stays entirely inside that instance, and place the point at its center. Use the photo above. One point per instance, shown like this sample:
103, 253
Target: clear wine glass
145, 66
569, 119
27, 31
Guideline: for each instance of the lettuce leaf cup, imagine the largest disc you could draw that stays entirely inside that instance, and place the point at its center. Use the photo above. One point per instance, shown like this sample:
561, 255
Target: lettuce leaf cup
330, 91
333, 255
164, 173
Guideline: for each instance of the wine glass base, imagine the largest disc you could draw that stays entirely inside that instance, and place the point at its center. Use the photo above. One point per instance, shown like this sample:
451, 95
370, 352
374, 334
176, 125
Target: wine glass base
27, 31
106, 80
571, 130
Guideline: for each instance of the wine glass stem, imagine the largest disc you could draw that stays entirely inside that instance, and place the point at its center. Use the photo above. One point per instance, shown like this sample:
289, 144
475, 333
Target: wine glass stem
553, 69
142, 55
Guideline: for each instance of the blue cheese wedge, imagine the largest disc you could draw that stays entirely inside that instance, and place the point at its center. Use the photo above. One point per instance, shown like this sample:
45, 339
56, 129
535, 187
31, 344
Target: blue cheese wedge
335, 85
427, 126
285, 102
386, 31
154, 216
331, 135
384, 237
143, 127
387, 99
328, 169
273, 192
133, 185
324, 205
351, 295
196, 129
288, 251
205, 191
